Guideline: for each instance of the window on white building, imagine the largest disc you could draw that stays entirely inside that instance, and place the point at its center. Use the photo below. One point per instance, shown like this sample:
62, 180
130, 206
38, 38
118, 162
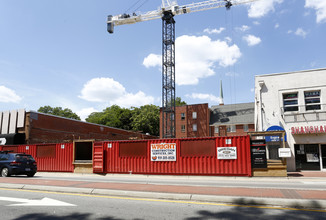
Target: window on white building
194, 115
312, 100
245, 128
290, 102
194, 127
231, 128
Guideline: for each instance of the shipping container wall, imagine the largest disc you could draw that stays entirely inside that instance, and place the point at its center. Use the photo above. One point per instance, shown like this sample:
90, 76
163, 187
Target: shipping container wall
54, 157
49, 157
193, 156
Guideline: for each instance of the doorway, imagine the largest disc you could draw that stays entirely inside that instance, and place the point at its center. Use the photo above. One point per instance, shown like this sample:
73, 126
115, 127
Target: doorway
323, 156
83, 156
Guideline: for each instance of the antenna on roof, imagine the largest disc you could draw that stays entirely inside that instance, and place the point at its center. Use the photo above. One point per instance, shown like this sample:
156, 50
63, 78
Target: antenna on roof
221, 95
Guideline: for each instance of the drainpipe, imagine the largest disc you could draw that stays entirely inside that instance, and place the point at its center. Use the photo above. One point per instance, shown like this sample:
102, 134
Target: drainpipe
261, 84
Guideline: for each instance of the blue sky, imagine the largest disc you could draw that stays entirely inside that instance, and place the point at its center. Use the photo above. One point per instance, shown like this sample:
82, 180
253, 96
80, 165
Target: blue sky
58, 52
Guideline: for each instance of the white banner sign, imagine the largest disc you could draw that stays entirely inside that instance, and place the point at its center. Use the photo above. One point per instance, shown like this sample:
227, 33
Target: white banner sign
3, 141
225, 153
164, 152
284, 152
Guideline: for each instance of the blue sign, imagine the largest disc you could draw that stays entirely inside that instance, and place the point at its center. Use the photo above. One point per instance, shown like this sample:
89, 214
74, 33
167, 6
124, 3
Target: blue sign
274, 138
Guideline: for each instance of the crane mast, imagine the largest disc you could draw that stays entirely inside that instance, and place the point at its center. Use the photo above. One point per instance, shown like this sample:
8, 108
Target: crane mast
167, 12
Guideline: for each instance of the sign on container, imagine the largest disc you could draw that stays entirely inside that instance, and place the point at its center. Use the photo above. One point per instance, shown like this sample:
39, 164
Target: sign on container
164, 152
226, 153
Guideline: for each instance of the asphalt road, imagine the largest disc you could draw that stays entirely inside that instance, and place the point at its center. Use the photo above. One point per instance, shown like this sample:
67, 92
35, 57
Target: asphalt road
271, 183
22, 204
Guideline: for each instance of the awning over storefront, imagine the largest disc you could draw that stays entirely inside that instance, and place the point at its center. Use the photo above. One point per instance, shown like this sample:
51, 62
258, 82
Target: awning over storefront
280, 134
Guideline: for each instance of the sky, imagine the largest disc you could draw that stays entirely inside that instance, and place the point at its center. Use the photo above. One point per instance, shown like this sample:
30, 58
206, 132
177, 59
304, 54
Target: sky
59, 53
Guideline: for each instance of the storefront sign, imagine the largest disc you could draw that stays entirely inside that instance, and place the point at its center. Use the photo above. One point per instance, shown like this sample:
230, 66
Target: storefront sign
308, 129
164, 152
226, 153
258, 154
284, 152
274, 138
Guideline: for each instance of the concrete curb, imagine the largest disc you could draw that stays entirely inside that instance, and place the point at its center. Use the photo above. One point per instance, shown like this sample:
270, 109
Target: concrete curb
293, 203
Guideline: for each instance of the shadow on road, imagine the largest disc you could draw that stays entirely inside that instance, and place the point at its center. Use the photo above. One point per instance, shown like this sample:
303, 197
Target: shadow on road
243, 212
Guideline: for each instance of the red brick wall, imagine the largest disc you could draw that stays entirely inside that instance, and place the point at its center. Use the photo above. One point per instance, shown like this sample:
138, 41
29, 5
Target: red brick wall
179, 121
41, 128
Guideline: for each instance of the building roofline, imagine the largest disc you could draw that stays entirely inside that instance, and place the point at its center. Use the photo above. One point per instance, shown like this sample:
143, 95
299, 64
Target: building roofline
285, 73
85, 122
226, 105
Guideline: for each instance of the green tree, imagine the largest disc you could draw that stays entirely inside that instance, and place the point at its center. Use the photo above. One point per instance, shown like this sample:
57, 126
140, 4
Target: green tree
113, 116
58, 111
146, 119
179, 102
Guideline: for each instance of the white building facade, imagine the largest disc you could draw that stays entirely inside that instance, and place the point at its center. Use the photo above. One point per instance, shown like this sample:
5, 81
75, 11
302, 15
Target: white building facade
295, 102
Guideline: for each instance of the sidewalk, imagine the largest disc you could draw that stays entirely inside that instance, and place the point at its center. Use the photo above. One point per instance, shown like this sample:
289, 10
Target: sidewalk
300, 198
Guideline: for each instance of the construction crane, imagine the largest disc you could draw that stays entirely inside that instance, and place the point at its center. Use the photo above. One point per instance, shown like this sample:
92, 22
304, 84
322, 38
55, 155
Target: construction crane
167, 12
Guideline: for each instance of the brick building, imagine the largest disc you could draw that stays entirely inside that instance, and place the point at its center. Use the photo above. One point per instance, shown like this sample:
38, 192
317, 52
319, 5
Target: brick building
199, 120
20, 127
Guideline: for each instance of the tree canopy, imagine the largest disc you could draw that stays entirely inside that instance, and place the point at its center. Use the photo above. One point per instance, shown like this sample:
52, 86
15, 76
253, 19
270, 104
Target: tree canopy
58, 111
179, 102
113, 116
145, 119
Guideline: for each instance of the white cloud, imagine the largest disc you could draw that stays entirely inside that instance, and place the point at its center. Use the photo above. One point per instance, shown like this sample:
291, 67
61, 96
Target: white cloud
228, 39
261, 8
252, 40
107, 90
8, 95
256, 22
152, 60
214, 31
85, 112
206, 97
252, 90
196, 57
300, 32
243, 28
277, 25
320, 7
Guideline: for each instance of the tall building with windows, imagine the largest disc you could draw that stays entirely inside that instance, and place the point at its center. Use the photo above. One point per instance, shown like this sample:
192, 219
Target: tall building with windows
294, 102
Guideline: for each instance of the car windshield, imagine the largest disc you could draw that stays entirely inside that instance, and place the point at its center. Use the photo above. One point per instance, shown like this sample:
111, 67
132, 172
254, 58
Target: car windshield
23, 157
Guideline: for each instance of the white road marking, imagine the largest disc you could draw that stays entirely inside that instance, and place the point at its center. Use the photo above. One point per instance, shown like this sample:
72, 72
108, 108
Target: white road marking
33, 202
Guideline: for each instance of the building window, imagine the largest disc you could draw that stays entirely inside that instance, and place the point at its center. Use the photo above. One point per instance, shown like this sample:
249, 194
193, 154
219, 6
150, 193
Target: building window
194, 115
245, 128
194, 127
183, 116
183, 128
231, 128
312, 100
290, 102
216, 130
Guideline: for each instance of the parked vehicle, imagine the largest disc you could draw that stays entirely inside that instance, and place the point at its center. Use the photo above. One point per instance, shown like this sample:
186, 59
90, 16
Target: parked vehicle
17, 164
